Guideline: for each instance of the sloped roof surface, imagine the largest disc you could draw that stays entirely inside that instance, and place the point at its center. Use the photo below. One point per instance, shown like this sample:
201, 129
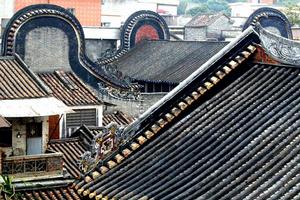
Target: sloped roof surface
68, 88
72, 149
118, 116
17, 81
63, 193
242, 143
167, 61
203, 20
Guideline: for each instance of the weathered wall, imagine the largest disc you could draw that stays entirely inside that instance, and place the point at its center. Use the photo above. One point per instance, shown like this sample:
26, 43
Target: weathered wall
96, 47
135, 108
19, 126
215, 29
195, 34
47, 49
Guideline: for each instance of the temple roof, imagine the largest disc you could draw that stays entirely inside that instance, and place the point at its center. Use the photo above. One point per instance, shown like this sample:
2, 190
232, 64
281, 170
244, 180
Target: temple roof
166, 61
229, 131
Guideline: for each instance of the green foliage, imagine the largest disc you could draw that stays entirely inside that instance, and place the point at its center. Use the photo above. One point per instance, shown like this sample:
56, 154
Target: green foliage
198, 1
218, 6
210, 7
292, 11
7, 189
202, 9
182, 7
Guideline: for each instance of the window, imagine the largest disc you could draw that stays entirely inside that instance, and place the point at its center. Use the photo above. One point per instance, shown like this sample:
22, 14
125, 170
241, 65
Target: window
34, 129
6, 137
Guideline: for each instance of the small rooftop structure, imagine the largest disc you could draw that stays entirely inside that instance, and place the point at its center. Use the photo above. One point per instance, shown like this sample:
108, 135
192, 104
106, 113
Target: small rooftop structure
204, 20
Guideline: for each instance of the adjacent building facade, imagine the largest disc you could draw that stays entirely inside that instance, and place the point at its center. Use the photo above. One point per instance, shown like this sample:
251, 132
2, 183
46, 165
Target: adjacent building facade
114, 14
88, 12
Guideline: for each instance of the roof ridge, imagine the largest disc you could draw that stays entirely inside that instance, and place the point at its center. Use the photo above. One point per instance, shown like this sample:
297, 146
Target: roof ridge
141, 132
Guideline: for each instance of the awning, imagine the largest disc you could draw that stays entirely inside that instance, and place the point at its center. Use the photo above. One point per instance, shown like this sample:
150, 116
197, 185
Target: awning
33, 107
4, 122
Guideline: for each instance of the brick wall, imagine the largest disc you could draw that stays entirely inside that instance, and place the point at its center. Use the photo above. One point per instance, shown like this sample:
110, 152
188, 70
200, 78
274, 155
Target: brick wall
88, 12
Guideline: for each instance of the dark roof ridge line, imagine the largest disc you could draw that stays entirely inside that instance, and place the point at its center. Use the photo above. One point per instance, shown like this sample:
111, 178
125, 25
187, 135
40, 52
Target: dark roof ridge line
153, 127
140, 139
187, 81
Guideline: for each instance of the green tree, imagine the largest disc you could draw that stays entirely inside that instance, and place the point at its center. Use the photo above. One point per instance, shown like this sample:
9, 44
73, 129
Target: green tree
292, 11
182, 7
218, 6
201, 9
198, 1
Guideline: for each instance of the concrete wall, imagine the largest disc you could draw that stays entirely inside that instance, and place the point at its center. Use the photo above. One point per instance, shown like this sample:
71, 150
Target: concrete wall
95, 47
215, 29
19, 127
135, 108
195, 33
47, 49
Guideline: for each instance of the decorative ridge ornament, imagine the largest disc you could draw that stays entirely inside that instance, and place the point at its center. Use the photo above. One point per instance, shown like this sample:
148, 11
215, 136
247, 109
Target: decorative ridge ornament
106, 140
143, 24
47, 15
283, 50
272, 20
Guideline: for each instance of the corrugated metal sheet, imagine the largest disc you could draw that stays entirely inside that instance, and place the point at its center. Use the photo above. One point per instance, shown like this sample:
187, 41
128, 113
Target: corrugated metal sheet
167, 61
16, 82
33, 107
77, 94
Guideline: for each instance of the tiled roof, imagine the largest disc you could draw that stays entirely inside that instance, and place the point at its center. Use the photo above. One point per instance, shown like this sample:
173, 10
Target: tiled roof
118, 116
167, 61
204, 20
230, 131
242, 143
72, 149
63, 193
17, 81
4, 122
67, 87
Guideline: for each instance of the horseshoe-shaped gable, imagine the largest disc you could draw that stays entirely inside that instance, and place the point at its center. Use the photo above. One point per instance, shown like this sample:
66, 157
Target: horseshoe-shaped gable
38, 32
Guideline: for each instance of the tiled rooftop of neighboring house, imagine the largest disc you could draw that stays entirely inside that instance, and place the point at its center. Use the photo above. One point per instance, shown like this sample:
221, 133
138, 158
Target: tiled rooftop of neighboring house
67, 87
166, 61
204, 20
117, 116
72, 149
17, 81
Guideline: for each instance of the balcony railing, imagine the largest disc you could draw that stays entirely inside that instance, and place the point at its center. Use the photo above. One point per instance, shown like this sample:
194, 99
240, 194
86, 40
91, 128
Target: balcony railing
33, 164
